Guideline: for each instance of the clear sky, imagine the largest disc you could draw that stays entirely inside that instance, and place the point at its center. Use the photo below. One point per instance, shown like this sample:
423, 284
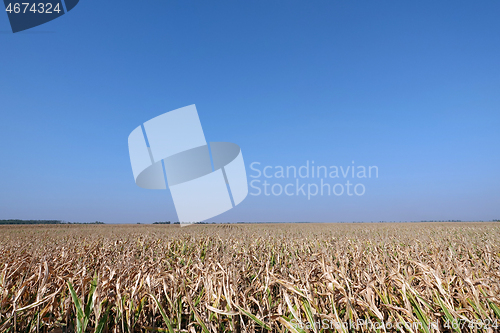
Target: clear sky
412, 87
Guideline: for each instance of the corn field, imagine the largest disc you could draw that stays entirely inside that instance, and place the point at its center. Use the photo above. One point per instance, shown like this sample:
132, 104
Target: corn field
411, 277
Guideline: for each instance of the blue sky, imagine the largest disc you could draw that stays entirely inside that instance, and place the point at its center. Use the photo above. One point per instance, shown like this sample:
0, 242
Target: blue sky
411, 87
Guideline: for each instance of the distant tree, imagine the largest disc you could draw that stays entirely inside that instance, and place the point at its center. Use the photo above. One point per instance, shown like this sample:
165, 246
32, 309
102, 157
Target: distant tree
30, 221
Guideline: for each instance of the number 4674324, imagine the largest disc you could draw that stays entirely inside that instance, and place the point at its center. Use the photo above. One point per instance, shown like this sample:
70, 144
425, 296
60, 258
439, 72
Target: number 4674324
40, 8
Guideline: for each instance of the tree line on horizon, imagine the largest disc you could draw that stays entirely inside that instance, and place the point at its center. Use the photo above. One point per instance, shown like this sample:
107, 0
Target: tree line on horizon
16, 221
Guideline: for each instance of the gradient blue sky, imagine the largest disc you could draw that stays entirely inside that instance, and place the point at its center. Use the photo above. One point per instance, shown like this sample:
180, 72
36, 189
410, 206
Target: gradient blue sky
412, 87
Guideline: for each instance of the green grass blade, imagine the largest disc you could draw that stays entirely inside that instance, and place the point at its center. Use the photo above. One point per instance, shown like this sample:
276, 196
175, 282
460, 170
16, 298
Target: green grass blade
309, 314
90, 303
102, 322
418, 312
139, 309
495, 309
163, 314
204, 327
447, 314
79, 311
254, 318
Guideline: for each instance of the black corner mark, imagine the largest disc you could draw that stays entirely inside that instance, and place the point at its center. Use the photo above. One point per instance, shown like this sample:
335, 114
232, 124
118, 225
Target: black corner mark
25, 14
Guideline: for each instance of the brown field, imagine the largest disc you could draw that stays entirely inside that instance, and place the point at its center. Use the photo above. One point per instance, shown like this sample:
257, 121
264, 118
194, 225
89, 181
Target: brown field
419, 277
